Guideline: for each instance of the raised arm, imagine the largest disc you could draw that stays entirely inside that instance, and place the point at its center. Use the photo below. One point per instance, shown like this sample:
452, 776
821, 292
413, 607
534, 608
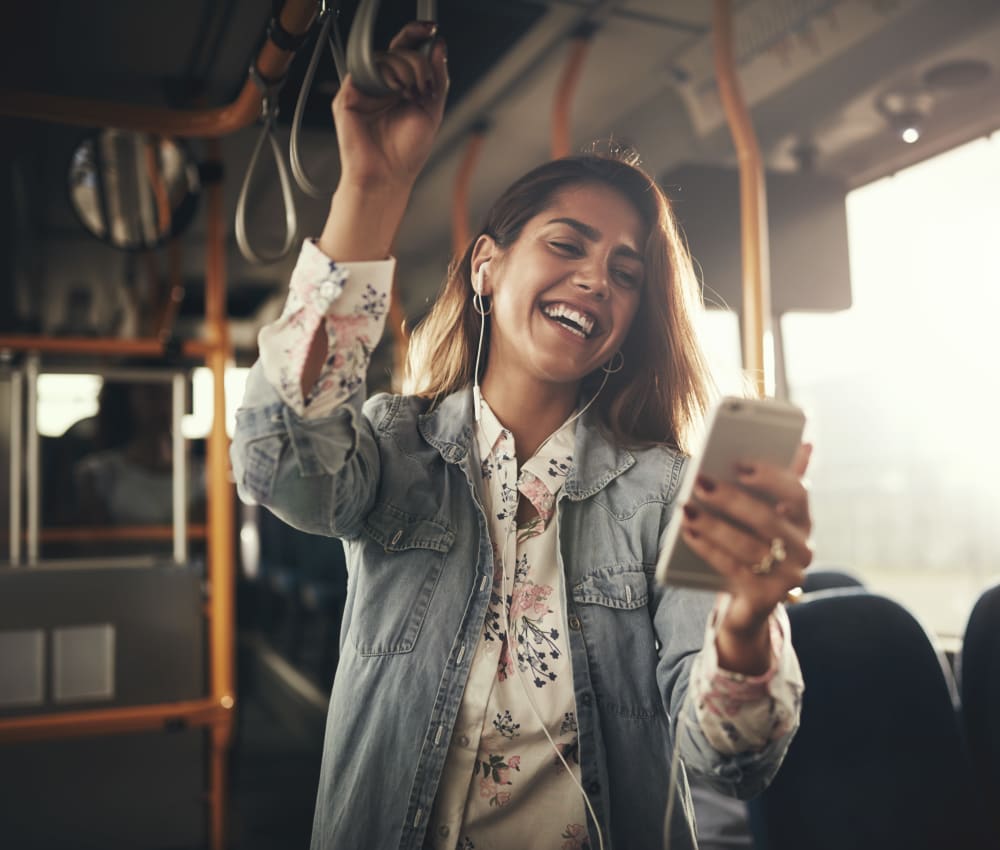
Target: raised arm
303, 445
383, 144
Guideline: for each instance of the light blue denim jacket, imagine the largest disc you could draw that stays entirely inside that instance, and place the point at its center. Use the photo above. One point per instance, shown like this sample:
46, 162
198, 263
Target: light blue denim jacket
398, 481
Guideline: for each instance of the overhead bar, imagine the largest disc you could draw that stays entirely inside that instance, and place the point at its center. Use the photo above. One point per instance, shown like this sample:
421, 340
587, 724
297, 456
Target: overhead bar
272, 62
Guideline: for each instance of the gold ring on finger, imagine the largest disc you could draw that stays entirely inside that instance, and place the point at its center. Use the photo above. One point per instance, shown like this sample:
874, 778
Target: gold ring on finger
778, 552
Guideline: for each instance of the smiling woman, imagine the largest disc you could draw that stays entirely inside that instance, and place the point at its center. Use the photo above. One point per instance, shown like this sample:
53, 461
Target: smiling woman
617, 259
501, 543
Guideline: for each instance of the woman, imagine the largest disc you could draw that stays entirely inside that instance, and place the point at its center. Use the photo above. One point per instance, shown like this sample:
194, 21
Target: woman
520, 489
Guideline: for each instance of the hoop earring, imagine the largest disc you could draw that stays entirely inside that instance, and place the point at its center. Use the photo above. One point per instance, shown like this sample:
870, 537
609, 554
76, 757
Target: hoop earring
477, 305
621, 364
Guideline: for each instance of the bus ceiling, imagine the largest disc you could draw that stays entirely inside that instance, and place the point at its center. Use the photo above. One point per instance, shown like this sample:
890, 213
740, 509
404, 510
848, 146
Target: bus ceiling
833, 89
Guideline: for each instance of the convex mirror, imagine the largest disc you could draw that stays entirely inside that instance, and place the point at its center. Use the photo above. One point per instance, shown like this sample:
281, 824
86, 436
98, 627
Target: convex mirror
133, 190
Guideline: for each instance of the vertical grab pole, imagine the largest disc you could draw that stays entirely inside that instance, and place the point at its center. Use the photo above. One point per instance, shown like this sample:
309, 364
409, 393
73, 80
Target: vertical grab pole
758, 355
561, 135
221, 567
16, 466
180, 467
460, 232
33, 445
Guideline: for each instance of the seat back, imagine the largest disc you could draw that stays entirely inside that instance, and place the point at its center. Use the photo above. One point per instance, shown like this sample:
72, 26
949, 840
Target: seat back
879, 760
979, 674
828, 578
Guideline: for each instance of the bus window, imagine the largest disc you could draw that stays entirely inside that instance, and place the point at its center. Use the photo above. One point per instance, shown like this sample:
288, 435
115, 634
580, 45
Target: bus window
902, 389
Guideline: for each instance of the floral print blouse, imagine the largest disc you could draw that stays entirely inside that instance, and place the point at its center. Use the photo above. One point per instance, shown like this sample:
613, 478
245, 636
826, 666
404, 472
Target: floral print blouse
503, 784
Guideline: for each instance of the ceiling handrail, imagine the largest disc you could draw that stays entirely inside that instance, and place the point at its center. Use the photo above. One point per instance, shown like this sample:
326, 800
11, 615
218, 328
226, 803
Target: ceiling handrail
295, 18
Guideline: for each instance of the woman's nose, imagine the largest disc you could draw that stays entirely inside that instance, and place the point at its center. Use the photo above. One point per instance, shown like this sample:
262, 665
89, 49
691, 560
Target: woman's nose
592, 281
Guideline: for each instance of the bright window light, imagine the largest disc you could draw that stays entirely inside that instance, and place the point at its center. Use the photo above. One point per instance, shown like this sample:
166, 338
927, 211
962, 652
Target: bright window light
64, 400
902, 389
198, 423
719, 331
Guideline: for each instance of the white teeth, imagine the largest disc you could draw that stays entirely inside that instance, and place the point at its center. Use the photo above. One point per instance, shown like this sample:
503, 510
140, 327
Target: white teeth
584, 323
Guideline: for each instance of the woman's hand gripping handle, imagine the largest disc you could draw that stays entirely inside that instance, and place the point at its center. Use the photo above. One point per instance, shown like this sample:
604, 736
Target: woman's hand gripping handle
383, 143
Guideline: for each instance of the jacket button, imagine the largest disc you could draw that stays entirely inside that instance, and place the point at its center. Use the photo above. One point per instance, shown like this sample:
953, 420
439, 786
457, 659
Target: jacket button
574, 622
585, 699
594, 787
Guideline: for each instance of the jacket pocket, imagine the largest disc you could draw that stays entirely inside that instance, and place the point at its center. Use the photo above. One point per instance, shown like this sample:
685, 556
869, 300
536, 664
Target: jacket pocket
612, 608
402, 562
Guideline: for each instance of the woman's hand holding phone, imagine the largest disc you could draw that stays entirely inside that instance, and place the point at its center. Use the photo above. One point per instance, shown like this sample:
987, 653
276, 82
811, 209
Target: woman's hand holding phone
755, 533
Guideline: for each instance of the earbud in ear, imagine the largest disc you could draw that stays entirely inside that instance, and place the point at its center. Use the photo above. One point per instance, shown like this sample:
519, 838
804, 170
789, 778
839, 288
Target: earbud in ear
480, 280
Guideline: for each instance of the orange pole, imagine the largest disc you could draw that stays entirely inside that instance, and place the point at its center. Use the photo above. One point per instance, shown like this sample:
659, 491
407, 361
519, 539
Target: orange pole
108, 721
193, 348
753, 206
296, 17
561, 135
221, 522
460, 233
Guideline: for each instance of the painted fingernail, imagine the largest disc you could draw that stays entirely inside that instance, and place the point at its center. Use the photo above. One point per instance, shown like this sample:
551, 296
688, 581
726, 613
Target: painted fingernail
706, 483
691, 512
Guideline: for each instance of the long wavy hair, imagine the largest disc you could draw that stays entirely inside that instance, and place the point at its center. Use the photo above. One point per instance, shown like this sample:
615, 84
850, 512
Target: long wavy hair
660, 395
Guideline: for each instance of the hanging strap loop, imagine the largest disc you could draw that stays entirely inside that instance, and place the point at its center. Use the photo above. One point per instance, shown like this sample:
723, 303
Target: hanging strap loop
269, 115
329, 35
360, 53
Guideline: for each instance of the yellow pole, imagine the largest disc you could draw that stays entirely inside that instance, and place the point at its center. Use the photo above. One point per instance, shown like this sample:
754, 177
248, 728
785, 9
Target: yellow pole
221, 522
758, 355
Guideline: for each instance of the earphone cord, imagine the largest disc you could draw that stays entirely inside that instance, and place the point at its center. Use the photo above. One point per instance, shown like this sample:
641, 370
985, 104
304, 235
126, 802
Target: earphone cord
511, 532
527, 693
674, 766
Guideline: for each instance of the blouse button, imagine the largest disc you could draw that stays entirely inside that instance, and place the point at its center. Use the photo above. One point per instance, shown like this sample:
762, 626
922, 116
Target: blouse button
463, 740
325, 294
574, 622
443, 830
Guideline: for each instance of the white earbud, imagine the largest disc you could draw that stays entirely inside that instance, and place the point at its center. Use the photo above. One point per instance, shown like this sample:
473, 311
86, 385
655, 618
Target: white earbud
477, 285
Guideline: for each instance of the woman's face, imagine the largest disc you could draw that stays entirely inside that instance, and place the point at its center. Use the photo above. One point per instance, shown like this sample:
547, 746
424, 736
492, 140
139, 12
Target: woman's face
565, 293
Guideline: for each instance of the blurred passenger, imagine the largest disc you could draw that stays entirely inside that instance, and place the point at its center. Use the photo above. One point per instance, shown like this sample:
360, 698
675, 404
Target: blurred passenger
129, 480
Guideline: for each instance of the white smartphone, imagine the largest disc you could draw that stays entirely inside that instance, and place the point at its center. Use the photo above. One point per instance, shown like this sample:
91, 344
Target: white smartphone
739, 429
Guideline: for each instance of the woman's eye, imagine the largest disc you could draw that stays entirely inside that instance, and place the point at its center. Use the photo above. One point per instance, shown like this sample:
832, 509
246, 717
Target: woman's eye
566, 248
627, 278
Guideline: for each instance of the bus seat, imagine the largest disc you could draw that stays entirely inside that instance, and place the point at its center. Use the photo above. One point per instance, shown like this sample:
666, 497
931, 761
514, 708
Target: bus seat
879, 760
829, 578
979, 676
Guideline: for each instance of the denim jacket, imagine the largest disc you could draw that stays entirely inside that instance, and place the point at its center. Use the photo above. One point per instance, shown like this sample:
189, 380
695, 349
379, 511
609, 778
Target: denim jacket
397, 479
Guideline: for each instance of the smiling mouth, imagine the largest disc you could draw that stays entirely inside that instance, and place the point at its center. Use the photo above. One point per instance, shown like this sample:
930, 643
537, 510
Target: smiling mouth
579, 323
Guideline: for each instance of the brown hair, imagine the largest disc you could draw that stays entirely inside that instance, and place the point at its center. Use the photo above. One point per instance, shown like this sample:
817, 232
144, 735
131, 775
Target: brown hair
661, 393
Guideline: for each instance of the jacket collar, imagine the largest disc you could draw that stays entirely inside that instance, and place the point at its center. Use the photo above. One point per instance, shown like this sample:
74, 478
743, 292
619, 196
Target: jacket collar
596, 460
